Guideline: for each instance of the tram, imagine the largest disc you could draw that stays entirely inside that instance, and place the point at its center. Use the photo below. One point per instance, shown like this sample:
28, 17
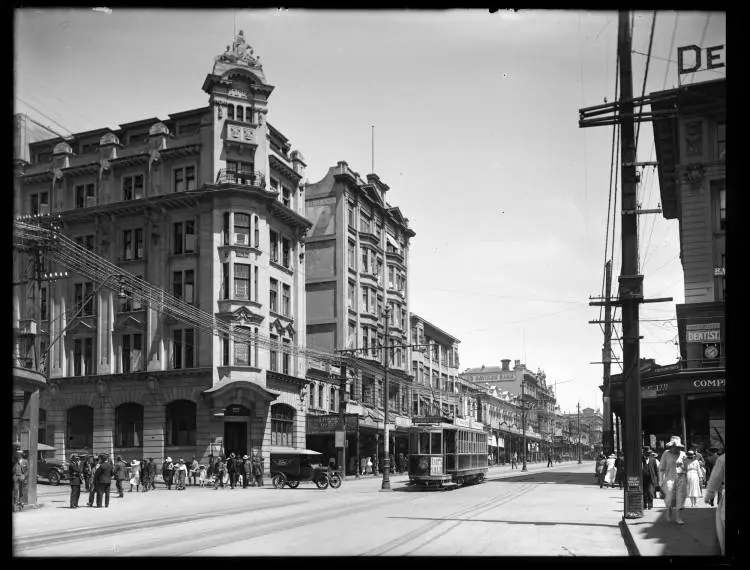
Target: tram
446, 453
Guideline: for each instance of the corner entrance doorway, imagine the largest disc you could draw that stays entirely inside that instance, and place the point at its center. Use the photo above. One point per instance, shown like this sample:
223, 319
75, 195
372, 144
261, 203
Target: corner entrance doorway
235, 438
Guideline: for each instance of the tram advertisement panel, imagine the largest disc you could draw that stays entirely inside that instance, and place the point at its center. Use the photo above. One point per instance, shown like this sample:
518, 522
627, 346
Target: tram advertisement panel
436, 466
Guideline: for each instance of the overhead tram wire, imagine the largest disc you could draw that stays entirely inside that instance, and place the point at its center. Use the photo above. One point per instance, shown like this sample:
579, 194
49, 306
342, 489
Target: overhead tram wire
79, 259
49, 119
703, 38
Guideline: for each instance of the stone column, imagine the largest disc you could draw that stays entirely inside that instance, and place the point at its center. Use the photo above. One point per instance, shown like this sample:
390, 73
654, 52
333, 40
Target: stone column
153, 428
104, 426
57, 419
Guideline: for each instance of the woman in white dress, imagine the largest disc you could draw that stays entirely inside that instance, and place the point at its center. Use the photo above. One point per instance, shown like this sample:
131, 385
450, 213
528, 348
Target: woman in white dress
135, 475
695, 475
609, 478
673, 479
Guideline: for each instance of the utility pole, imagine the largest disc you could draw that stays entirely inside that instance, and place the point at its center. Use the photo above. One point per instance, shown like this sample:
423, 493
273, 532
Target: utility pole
386, 485
607, 357
523, 421
342, 418
579, 433
631, 283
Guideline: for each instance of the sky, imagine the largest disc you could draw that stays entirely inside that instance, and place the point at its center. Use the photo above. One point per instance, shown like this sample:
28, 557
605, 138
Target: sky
476, 132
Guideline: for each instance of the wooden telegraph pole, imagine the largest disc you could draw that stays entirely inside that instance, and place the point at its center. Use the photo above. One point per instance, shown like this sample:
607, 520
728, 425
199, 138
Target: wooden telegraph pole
631, 283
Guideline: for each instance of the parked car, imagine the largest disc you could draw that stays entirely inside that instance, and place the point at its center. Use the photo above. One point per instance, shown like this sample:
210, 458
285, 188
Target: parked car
48, 468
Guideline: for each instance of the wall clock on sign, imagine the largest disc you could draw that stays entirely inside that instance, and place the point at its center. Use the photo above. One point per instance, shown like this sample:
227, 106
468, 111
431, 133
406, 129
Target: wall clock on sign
711, 351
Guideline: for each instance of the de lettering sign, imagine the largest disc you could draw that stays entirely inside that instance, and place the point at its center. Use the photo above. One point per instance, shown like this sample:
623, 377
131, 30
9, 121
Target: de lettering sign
713, 58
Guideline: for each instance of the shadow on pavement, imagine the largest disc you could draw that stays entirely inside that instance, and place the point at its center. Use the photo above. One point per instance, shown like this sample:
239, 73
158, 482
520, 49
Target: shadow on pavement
657, 536
553, 477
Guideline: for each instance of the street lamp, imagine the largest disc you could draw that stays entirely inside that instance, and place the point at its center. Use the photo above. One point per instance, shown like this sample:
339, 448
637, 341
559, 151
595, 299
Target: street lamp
386, 485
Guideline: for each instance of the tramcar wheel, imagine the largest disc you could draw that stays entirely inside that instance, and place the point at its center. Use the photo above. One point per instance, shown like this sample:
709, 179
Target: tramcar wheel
278, 481
480, 478
293, 484
460, 481
322, 482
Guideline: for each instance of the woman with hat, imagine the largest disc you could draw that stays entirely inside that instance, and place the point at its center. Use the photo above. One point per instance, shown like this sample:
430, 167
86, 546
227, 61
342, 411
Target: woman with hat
167, 470
135, 475
247, 472
672, 476
611, 470
695, 475
181, 470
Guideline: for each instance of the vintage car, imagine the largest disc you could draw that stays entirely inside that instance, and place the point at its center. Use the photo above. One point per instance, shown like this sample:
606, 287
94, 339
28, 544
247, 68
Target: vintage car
48, 468
291, 466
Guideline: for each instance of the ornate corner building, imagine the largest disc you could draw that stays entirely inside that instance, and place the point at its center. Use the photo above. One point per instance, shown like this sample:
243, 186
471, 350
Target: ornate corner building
207, 205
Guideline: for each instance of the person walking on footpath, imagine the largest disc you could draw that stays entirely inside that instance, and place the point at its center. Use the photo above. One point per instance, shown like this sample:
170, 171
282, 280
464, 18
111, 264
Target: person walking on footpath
695, 475
92, 486
549, 459
194, 468
20, 479
220, 470
181, 471
610, 470
144, 475
167, 472
620, 465
247, 472
135, 475
121, 474
650, 478
232, 470
88, 471
75, 477
103, 481
514, 460
672, 477
717, 485
258, 470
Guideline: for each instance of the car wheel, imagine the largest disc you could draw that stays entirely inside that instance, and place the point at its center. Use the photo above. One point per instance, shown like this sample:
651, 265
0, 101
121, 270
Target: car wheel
335, 481
322, 482
293, 484
53, 477
278, 481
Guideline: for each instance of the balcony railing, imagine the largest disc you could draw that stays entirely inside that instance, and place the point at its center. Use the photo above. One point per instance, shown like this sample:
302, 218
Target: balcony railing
253, 178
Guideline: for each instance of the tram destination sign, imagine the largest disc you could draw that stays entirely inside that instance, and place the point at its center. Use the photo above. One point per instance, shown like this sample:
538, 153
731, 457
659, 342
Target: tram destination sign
332, 423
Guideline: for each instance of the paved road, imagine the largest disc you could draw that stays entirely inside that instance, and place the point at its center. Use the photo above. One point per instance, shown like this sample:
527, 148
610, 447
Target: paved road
544, 512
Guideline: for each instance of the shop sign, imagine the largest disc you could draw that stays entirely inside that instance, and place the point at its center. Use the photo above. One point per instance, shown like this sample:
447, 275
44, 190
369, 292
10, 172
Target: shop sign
329, 424
403, 422
340, 439
654, 390
436, 465
704, 332
713, 58
710, 383
461, 422
634, 483
428, 420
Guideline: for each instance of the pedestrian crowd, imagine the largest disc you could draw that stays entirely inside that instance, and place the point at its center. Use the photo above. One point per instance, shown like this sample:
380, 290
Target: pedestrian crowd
676, 477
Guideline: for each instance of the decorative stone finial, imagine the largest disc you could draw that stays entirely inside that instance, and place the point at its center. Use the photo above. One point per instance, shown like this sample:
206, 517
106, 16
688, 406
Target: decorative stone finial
158, 129
62, 148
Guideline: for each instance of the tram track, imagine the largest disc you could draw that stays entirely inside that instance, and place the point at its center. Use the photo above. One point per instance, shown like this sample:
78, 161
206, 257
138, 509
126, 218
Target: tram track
473, 510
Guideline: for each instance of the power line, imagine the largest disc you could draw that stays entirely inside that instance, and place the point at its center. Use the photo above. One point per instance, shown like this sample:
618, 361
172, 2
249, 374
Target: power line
49, 119
703, 37
645, 75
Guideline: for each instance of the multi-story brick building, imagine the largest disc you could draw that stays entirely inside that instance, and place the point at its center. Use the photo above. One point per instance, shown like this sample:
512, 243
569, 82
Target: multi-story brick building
206, 205
357, 263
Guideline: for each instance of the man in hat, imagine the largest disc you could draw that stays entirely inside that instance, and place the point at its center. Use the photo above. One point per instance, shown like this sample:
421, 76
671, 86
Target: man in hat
247, 472
103, 480
194, 467
650, 477
219, 469
93, 467
673, 477
232, 470
20, 479
76, 478
87, 471
121, 473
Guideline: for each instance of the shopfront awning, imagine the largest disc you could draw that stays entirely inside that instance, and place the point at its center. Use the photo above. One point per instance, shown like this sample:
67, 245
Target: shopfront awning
493, 441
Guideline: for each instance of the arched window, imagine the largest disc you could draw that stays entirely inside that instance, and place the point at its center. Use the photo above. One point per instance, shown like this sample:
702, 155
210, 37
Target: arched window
180, 423
332, 402
312, 395
80, 427
230, 112
129, 425
240, 113
282, 425
320, 396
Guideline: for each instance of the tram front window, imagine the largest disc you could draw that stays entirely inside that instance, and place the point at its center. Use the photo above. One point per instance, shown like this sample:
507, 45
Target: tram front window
424, 443
436, 444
